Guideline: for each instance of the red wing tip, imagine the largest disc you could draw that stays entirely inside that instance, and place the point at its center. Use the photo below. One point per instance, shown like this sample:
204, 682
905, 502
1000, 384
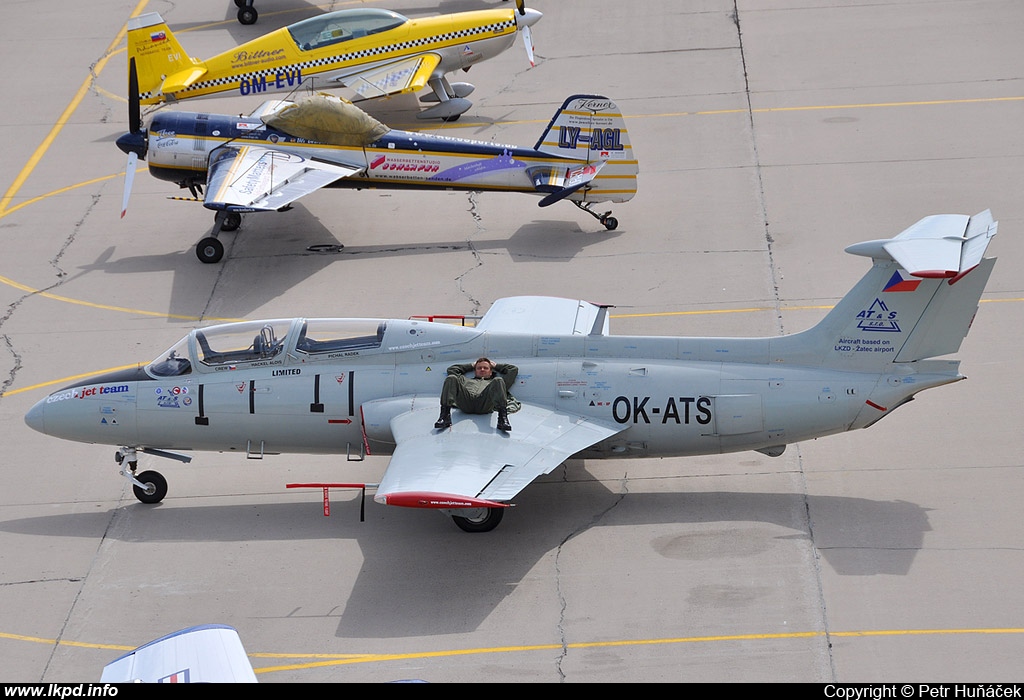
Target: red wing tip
427, 499
935, 274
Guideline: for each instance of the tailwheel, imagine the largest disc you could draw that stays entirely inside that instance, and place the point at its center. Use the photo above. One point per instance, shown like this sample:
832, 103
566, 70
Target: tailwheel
479, 519
606, 219
209, 250
153, 489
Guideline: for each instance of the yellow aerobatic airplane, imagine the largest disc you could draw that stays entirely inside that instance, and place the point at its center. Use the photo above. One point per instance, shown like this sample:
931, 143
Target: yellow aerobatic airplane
374, 52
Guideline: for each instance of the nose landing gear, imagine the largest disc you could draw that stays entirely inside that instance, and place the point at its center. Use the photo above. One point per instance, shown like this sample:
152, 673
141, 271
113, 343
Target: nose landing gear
149, 486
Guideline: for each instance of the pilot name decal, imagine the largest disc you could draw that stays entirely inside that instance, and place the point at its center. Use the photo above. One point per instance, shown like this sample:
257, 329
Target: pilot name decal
625, 409
87, 391
879, 318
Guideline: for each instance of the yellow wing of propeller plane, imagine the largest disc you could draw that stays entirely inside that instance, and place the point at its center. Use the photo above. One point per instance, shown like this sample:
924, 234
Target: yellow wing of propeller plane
374, 52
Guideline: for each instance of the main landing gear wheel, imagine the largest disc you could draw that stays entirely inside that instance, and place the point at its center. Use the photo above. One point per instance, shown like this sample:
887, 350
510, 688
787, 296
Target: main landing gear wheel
248, 15
209, 250
480, 519
156, 487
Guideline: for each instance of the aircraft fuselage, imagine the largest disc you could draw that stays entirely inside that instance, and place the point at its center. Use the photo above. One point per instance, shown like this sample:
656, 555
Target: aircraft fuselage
673, 398
180, 144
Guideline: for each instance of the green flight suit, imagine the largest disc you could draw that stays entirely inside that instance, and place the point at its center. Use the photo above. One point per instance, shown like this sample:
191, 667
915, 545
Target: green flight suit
472, 394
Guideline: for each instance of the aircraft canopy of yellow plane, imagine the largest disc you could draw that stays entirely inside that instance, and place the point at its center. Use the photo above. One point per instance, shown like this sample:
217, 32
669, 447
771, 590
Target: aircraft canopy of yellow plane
372, 51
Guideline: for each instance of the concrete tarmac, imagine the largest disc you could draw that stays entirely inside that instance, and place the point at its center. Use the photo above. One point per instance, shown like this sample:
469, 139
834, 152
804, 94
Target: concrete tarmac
771, 134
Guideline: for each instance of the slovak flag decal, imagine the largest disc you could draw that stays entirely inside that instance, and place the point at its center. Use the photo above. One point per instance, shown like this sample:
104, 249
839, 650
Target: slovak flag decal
158, 36
899, 283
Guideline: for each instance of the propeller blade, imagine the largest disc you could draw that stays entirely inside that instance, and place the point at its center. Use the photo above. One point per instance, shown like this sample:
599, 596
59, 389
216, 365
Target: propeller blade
134, 105
129, 178
521, 6
528, 42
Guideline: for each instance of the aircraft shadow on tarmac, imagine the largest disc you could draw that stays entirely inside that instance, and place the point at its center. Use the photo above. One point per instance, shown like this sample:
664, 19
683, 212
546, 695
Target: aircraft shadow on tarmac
449, 582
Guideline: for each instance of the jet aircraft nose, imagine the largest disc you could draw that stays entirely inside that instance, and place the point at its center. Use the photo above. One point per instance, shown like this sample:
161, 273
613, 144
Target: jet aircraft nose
529, 17
35, 417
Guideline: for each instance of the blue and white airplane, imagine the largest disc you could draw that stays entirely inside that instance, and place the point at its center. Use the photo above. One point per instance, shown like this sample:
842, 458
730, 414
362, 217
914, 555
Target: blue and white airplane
285, 150
371, 386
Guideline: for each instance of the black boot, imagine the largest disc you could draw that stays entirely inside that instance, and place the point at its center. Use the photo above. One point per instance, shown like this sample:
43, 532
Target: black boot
503, 424
445, 419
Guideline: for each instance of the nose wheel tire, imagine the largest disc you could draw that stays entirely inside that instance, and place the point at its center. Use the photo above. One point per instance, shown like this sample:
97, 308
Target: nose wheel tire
209, 250
480, 520
156, 487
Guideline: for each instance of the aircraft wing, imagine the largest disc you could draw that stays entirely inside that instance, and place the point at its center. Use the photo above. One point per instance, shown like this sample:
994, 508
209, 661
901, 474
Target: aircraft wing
405, 75
472, 464
252, 178
203, 654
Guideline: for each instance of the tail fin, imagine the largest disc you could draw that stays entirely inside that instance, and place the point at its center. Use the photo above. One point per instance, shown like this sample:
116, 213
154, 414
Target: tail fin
162, 65
917, 301
591, 128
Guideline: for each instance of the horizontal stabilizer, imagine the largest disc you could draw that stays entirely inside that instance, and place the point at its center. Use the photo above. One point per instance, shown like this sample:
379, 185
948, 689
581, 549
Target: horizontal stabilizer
183, 79
561, 184
944, 245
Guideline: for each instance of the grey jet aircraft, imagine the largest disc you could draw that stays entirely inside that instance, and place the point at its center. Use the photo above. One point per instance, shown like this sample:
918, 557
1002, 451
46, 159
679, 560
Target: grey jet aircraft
371, 386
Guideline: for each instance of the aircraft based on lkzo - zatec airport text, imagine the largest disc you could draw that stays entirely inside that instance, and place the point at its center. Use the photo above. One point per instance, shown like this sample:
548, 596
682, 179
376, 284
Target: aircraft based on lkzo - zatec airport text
374, 52
284, 150
372, 386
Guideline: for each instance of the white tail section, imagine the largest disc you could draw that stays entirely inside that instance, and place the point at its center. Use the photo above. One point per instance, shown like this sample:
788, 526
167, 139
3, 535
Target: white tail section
590, 128
916, 302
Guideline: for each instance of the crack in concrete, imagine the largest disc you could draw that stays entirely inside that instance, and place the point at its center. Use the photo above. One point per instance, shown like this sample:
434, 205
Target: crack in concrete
563, 603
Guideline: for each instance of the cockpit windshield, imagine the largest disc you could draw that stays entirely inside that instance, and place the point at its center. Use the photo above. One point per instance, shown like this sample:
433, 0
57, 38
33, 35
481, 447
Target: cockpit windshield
333, 27
172, 363
241, 342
